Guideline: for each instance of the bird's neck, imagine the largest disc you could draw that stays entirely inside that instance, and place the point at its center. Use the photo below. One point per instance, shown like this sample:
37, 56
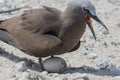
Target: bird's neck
74, 24
73, 17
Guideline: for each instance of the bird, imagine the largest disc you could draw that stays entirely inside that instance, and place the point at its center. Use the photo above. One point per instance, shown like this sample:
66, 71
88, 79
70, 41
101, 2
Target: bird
49, 31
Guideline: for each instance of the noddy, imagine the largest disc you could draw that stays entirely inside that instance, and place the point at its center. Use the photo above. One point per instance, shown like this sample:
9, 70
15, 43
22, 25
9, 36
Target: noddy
49, 31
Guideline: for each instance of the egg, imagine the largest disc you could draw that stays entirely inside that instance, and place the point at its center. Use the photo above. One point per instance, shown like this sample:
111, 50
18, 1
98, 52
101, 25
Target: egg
54, 65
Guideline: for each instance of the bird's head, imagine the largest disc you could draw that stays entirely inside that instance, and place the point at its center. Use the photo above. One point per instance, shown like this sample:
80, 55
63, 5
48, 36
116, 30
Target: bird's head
90, 12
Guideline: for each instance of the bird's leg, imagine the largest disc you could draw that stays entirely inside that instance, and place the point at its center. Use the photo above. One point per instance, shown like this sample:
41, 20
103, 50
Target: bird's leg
52, 56
41, 64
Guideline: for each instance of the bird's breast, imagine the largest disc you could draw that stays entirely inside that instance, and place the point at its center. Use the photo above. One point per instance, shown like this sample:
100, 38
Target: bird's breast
71, 36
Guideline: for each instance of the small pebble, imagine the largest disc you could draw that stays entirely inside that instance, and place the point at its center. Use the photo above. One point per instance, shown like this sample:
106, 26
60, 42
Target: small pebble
105, 32
24, 79
81, 77
54, 75
84, 53
21, 66
28, 62
105, 43
65, 78
1, 63
105, 64
117, 77
37, 67
13, 78
91, 37
118, 24
92, 56
35, 75
58, 78
114, 43
2, 48
113, 1
45, 73
26, 75
118, 66
112, 56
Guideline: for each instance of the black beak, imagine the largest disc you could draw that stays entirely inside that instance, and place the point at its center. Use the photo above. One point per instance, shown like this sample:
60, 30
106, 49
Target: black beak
92, 30
99, 21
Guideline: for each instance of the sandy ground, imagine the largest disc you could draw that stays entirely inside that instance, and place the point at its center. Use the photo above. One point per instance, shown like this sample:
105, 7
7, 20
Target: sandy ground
91, 52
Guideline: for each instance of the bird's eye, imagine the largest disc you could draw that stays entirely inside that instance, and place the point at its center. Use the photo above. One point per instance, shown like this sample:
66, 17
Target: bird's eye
86, 10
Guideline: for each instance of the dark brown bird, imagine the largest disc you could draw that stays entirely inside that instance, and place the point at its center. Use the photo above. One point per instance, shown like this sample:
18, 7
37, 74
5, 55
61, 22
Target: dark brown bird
49, 31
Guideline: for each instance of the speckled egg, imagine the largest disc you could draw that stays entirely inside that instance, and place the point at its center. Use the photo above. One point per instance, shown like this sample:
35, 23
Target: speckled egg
54, 65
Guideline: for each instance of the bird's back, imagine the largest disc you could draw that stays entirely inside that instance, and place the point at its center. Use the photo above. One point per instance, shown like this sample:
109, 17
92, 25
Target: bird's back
33, 30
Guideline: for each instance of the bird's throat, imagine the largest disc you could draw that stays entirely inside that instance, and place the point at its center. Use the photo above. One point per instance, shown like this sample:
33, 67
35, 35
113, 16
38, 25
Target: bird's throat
89, 20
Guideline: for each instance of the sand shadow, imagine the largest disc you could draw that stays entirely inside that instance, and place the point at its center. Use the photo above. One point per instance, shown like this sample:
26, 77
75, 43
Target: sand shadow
92, 70
16, 59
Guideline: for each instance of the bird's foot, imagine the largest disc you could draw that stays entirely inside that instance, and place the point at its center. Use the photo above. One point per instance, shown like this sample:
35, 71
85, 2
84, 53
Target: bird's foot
52, 56
41, 64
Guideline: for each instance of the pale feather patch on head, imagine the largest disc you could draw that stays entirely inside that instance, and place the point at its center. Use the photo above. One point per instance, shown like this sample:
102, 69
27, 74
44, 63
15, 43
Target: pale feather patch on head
84, 4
